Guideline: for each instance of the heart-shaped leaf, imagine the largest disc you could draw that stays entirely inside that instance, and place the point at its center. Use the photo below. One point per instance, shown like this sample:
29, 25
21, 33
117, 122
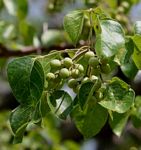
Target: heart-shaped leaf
91, 122
26, 78
110, 40
119, 96
73, 24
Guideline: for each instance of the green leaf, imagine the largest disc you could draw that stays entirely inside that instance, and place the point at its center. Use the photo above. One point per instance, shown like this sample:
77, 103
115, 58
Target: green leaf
54, 96
137, 57
111, 40
44, 107
26, 78
41, 109
19, 134
19, 119
120, 56
123, 56
66, 112
86, 92
129, 69
91, 122
73, 24
36, 117
129, 45
101, 13
96, 22
119, 96
63, 101
137, 41
137, 27
17, 8
118, 123
136, 113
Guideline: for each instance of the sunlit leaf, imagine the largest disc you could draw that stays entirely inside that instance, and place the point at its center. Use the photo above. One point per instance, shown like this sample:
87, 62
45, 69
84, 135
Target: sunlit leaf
136, 113
137, 57
120, 96
137, 28
118, 123
73, 24
111, 40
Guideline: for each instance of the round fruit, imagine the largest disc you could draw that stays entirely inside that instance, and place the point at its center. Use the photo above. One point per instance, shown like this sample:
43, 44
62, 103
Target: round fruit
67, 62
79, 67
93, 61
85, 80
55, 63
89, 54
75, 73
72, 83
64, 73
96, 71
50, 76
76, 89
106, 68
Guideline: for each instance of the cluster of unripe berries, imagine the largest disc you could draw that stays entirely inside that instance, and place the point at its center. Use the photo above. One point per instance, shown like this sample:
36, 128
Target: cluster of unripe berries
97, 65
75, 73
65, 69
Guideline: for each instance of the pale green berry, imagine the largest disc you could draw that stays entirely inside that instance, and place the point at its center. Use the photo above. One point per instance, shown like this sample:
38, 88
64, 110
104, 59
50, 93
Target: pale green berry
93, 61
75, 73
79, 67
89, 54
64, 73
55, 63
50, 76
85, 80
72, 83
96, 71
76, 89
67, 62
105, 68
